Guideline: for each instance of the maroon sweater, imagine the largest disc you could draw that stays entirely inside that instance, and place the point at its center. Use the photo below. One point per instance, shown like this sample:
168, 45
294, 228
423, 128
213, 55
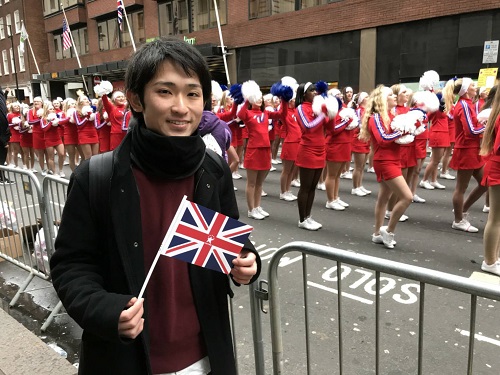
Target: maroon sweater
175, 336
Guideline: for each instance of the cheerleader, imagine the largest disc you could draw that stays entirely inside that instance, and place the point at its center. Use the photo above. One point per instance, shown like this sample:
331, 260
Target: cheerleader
49, 123
386, 161
115, 109
70, 134
360, 149
277, 125
466, 159
103, 128
311, 156
14, 121
491, 148
86, 123
33, 118
258, 155
26, 141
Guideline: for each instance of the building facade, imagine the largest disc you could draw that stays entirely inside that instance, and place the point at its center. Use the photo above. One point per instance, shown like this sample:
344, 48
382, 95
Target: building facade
350, 42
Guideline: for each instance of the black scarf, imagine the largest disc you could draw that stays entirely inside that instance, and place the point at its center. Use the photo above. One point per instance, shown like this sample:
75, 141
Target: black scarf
165, 157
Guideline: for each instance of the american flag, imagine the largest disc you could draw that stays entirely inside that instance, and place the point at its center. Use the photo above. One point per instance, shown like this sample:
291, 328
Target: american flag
204, 237
119, 6
66, 36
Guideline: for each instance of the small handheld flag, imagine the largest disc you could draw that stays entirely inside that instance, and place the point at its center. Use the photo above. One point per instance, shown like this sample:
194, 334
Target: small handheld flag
202, 237
66, 37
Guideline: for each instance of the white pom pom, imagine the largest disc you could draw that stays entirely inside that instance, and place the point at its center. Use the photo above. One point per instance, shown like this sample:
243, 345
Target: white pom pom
99, 91
25, 111
419, 130
92, 117
347, 113
216, 91
354, 124
70, 112
55, 122
105, 115
26, 124
288, 81
399, 123
405, 139
429, 80
317, 104
39, 112
481, 116
251, 91
332, 106
16, 120
414, 119
426, 100
107, 87
86, 110
51, 116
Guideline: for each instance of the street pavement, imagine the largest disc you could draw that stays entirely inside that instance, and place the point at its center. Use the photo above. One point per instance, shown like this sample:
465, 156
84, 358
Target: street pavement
425, 240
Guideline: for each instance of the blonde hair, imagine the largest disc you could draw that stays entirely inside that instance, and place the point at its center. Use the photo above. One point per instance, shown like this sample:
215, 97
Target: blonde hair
224, 99
377, 103
46, 107
489, 133
79, 103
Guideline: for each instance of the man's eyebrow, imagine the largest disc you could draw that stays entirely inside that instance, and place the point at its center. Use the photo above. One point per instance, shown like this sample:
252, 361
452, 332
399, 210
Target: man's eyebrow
172, 84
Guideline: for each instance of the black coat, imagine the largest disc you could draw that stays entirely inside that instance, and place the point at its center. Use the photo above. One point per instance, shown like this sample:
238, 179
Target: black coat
98, 266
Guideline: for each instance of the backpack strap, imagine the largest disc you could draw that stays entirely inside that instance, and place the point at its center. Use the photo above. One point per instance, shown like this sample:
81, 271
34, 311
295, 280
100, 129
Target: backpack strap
214, 156
100, 171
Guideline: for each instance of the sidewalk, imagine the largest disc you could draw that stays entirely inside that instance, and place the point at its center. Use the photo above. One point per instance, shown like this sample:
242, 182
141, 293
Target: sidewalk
21, 352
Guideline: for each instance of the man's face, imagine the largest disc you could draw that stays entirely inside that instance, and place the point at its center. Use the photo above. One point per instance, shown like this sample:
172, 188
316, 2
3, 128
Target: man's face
173, 102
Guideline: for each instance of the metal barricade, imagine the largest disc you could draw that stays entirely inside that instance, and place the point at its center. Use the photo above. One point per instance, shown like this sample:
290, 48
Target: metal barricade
422, 275
22, 216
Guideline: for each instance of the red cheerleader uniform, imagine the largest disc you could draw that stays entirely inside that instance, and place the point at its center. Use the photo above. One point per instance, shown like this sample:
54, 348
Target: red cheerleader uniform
386, 152
115, 117
421, 141
15, 136
292, 136
491, 175
408, 151
338, 141
312, 152
103, 132
230, 118
60, 114
87, 132
70, 133
26, 137
468, 133
258, 154
358, 146
51, 132
38, 136
451, 126
438, 133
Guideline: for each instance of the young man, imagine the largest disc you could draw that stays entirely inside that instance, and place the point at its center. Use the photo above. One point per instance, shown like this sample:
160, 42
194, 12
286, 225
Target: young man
101, 260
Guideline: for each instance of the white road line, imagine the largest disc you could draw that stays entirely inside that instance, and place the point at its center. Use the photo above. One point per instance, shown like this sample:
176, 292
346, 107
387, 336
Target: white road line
344, 294
478, 337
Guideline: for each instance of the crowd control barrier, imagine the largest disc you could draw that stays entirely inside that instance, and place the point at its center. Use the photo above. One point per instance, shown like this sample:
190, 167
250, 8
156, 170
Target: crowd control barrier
423, 276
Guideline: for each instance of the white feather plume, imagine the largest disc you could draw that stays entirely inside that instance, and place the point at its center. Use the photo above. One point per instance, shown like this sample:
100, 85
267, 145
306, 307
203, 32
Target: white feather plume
426, 100
332, 106
251, 91
405, 139
484, 115
317, 105
216, 91
107, 87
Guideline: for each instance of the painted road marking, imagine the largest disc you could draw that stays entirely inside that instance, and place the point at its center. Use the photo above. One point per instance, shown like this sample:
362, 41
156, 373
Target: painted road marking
478, 337
344, 294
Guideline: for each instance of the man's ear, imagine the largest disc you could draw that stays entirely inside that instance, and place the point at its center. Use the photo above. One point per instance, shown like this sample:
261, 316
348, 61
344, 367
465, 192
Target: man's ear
134, 101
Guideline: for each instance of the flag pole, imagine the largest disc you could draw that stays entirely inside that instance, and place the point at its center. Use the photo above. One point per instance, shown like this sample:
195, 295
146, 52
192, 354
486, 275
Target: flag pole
168, 238
224, 53
74, 48
33, 55
128, 26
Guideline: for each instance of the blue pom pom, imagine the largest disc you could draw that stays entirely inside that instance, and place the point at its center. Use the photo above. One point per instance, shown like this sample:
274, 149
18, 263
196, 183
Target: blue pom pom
287, 93
322, 88
94, 108
275, 89
235, 92
223, 87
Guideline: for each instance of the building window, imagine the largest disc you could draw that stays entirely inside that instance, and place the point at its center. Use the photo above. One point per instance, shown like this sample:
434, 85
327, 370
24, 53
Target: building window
265, 8
52, 6
12, 62
204, 14
312, 3
259, 8
8, 24
2, 30
111, 37
22, 66
17, 21
173, 17
5, 60
81, 44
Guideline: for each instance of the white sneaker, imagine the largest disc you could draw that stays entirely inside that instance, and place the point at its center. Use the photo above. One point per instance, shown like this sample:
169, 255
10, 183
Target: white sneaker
274, 161
44, 173
62, 174
279, 161
342, 203
291, 196
493, 268
314, 222
371, 170
272, 169
321, 186
236, 176
365, 190
387, 237
306, 224
437, 185
358, 192
262, 212
346, 175
464, 225
255, 214
401, 219
426, 185
34, 170
335, 205
287, 196
417, 199
263, 194
377, 238
447, 176
295, 183
235, 188
486, 208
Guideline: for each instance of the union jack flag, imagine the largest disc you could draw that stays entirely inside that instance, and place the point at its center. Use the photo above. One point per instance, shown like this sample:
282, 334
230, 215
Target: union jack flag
120, 8
204, 237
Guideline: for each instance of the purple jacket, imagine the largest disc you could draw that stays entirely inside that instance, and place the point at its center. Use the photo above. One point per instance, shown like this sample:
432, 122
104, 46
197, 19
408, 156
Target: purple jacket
211, 124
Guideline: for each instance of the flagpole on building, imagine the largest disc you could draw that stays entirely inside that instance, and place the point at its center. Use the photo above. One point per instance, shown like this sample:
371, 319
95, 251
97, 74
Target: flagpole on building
26, 37
74, 48
224, 52
128, 26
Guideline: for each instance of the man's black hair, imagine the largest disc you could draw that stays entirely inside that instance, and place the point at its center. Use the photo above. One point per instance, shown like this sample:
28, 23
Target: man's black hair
145, 63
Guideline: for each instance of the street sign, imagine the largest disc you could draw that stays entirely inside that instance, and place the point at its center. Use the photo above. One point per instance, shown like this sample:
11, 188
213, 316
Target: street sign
490, 52
487, 77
